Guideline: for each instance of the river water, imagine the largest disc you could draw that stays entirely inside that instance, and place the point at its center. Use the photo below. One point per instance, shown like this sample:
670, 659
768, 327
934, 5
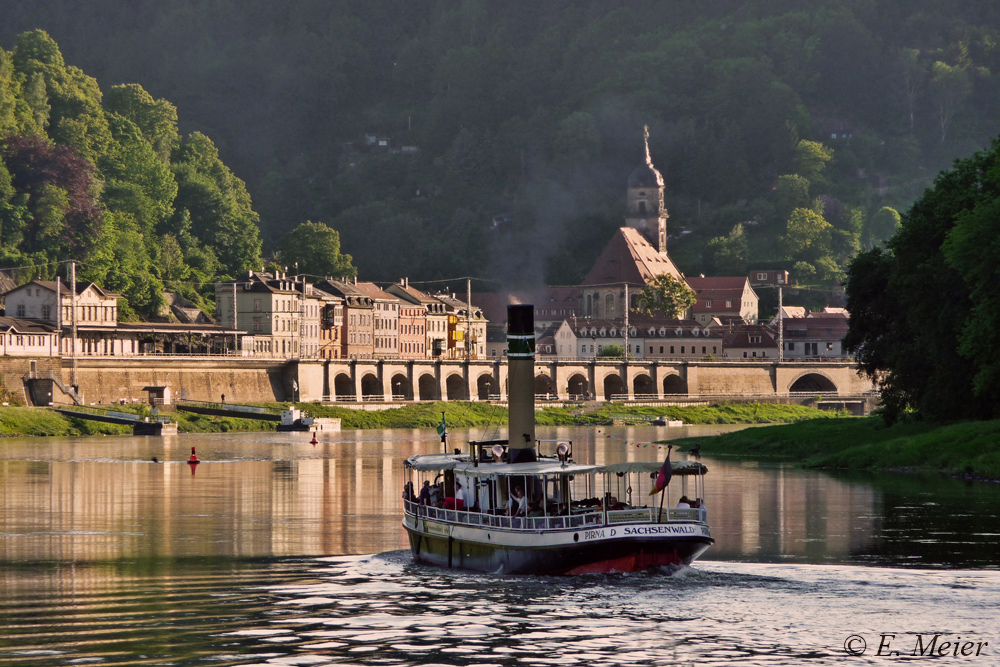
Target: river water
274, 551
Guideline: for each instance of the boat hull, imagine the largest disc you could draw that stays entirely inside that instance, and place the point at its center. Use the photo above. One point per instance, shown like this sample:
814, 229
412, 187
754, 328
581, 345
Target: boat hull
608, 549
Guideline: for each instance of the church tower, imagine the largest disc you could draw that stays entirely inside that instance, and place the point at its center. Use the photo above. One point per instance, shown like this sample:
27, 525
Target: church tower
645, 210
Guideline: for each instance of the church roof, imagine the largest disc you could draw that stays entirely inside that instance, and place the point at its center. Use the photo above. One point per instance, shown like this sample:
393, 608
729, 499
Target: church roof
630, 258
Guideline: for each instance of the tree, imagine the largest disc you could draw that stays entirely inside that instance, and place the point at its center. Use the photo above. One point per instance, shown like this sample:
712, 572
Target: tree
156, 119
791, 191
120, 263
807, 235
316, 249
925, 306
811, 157
612, 350
971, 249
666, 293
729, 253
218, 205
55, 186
881, 226
949, 88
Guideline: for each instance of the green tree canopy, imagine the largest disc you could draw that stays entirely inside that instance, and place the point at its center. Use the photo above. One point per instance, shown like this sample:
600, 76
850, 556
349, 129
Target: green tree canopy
316, 249
923, 311
668, 294
811, 158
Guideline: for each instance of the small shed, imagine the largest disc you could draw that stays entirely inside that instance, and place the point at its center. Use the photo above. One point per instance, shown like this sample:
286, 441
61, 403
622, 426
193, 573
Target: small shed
159, 395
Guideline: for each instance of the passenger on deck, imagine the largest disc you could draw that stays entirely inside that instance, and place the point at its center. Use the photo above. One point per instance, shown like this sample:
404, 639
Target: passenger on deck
408, 493
684, 503
535, 509
425, 493
468, 495
516, 506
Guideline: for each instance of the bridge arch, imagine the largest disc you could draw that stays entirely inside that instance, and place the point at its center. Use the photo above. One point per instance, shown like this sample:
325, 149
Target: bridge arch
578, 386
486, 386
456, 387
613, 385
401, 388
343, 387
427, 388
674, 384
812, 382
642, 384
543, 384
371, 388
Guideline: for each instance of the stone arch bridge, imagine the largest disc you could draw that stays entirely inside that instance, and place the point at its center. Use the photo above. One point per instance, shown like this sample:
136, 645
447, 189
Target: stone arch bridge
424, 380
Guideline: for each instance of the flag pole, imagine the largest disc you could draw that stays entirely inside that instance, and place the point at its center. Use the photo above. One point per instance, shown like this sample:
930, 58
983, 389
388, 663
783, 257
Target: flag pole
663, 495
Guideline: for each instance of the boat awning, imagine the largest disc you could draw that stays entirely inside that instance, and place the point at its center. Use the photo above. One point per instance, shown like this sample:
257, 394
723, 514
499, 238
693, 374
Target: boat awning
678, 467
462, 464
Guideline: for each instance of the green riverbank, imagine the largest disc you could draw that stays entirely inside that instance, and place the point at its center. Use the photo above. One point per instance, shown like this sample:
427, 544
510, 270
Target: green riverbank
19, 421
966, 448
464, 415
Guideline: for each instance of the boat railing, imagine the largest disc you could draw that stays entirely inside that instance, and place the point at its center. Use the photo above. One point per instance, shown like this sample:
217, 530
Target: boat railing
574, 520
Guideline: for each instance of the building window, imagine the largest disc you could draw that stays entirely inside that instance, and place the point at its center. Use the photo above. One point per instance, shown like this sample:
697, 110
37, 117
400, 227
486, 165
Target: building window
729, 303
708, 303
671, 349
761, 276
256, 305
20, 310
609, 305
46, 312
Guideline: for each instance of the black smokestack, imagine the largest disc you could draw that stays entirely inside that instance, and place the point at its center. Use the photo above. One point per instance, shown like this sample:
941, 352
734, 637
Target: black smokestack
521, 382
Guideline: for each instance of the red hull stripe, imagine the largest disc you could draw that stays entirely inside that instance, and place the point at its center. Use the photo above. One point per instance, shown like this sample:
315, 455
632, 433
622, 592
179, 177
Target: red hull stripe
631, 563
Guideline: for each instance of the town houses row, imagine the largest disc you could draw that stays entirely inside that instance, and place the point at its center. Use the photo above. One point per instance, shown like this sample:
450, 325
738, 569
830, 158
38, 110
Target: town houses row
278, 316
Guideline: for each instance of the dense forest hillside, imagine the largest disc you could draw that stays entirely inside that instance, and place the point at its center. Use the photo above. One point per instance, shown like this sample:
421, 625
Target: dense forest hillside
105, 179
788, 133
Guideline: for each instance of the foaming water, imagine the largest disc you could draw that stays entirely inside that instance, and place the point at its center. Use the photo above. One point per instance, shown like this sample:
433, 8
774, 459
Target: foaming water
384, 610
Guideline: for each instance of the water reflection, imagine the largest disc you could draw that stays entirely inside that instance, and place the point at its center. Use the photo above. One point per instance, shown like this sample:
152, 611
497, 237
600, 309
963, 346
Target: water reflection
266, 495
378, 610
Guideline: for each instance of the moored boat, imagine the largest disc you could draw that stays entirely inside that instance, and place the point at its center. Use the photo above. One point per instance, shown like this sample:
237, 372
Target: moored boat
524, 506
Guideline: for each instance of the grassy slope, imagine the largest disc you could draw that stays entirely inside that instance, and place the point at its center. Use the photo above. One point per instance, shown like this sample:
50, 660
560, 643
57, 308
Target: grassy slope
35, 421
866, 444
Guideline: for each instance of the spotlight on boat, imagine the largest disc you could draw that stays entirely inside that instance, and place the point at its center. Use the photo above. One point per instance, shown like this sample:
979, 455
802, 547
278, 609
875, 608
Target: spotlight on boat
562, 451
497, 453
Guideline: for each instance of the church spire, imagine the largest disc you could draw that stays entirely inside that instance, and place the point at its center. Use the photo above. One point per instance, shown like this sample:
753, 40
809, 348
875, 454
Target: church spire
645, 210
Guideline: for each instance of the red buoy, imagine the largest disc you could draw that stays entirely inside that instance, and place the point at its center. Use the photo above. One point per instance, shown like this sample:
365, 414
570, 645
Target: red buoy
194, 459
314, 441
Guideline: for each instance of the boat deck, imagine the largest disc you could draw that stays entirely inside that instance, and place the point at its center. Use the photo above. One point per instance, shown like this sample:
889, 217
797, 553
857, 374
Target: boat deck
577, 519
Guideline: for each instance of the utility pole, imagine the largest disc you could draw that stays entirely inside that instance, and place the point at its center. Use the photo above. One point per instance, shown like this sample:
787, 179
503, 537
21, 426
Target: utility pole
468, 318
72, 301
626, 323
302, 312
781, 328
236, 339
